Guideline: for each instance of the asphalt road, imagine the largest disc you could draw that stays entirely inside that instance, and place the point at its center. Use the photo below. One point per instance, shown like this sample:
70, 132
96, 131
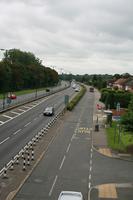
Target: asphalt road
70, 162
67, 163
19, 125
31, 96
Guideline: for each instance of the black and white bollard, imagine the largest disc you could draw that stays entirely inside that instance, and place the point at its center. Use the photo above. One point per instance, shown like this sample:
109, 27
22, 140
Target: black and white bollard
28, 159
17, 160
22, 154
5, 172
32, 154
24, 164
12, 165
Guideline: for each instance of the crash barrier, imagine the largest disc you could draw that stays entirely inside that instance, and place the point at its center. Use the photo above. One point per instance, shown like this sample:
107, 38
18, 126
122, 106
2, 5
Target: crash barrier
27, 154
30, 99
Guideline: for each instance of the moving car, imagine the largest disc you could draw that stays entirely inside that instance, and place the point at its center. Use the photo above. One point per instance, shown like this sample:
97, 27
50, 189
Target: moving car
49, 111
70, 195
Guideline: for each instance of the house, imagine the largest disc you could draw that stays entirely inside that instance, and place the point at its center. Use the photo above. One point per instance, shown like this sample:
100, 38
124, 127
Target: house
129, 85
120, 83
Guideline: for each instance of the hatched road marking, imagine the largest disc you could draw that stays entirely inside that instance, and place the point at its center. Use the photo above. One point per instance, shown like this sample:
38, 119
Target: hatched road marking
83, 130
105, 151
107, 191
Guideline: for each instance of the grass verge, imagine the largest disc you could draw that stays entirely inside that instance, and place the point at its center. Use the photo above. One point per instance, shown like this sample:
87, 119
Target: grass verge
18, 93
121, 142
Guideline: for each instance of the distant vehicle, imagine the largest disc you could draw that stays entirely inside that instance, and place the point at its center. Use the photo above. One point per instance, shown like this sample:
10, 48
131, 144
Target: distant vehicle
70, 195
77, 89
12, 96
49, 111
47, 90
91, 89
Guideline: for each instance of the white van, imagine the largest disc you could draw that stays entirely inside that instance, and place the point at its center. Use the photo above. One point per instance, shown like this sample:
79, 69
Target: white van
70, 195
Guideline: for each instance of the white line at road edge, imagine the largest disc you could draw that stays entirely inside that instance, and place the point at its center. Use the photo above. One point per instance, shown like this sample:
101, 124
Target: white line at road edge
4, 140
17, 131
62, 162
51, 190
68, 148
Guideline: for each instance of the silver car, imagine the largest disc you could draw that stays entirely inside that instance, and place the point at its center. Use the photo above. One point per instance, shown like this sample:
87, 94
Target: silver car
49, 111
70, 195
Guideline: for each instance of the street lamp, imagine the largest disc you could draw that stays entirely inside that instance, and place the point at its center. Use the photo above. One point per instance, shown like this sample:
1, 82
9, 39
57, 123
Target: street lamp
3, 91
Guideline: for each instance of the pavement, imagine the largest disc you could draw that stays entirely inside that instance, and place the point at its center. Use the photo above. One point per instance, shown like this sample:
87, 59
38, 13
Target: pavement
99, 134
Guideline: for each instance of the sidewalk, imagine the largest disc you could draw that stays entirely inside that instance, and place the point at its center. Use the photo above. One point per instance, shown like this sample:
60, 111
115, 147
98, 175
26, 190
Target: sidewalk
99, 136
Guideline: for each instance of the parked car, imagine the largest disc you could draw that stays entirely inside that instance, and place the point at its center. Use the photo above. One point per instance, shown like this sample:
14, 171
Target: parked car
12, 96
49, 111
70, 195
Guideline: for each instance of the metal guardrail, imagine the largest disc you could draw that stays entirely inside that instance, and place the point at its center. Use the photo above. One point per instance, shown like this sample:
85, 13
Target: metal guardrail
31, 99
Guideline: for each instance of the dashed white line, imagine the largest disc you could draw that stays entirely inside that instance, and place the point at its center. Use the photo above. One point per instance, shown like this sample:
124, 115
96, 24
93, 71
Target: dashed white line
91, 150
7, 116
27, 124
17, 131
89, 185
21, 110
15, 112
62, 162
90, 168
4, 140
90, 177
26, 107
51, 190
90, 162
68, 148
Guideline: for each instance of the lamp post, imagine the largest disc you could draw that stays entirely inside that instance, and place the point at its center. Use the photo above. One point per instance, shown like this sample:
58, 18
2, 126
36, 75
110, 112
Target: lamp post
3, 91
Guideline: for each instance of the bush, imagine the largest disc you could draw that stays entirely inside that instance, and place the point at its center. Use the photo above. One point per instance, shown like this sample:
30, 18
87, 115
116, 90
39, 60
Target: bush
76, 99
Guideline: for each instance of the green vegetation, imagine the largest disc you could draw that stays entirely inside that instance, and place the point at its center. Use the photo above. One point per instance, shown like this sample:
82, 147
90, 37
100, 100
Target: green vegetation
76, 99
127, 118
121, 143
22, 70
111, 97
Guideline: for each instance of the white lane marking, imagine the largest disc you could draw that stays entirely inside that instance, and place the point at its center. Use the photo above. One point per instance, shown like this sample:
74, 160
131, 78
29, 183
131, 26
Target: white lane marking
35, 118
90, 168
7, 116
4, 140
17, 131
89, 185
21, 110
27, 124
15, 113
62, 162
51, 190
68, 147
91, 150
26, 107
90, 162
90, 177
2, 123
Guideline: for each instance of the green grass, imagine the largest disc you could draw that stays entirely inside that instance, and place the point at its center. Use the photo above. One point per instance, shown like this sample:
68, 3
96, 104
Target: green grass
121, 145
24, 92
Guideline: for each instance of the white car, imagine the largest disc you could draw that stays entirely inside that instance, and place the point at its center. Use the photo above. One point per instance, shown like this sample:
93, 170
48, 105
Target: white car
70, 195
49, 111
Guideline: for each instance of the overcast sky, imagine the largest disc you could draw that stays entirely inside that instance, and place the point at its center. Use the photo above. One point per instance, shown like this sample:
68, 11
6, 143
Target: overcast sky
77, 36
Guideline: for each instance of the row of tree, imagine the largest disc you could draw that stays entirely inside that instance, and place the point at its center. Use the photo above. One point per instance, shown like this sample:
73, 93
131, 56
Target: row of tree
112, 97
22, 70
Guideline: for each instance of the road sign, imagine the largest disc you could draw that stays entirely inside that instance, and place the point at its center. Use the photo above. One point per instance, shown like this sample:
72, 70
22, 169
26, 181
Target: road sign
66, 100
118, 107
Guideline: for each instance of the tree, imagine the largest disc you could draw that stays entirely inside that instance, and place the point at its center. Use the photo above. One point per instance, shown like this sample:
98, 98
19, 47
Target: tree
127, 119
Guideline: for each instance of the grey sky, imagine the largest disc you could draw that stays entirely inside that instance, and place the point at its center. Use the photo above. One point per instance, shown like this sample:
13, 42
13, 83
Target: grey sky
79, 36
